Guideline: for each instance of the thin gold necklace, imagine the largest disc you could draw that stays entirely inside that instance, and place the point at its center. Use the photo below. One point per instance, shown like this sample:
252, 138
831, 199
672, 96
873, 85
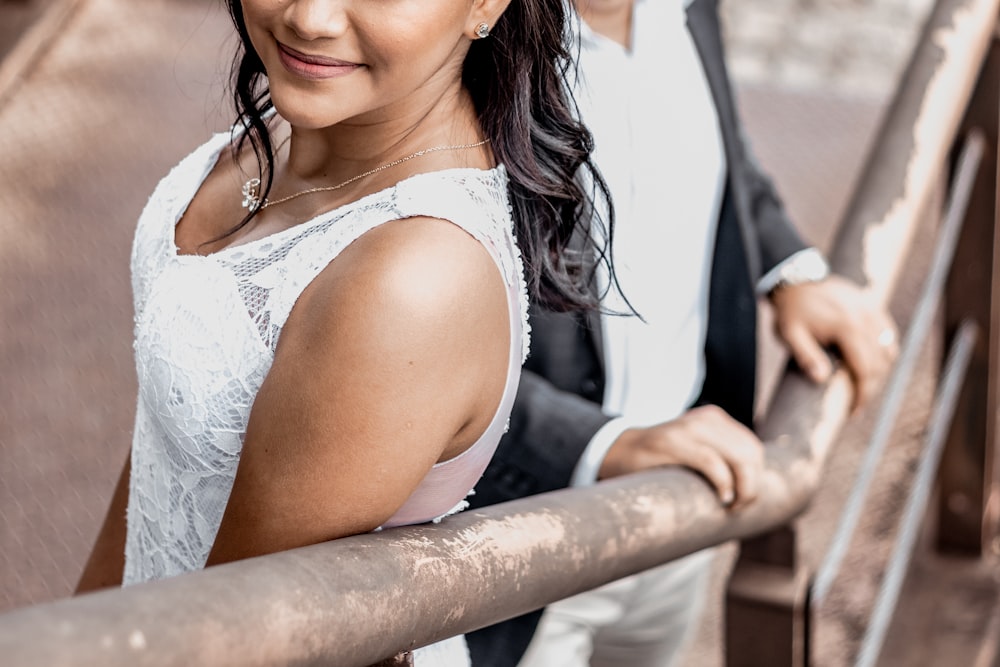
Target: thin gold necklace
251, 189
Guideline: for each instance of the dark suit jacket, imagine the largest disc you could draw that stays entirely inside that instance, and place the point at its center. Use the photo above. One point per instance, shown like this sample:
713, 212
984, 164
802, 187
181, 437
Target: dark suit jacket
558, 406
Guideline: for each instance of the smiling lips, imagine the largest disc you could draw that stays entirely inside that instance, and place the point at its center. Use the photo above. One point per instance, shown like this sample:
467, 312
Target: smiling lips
313, 67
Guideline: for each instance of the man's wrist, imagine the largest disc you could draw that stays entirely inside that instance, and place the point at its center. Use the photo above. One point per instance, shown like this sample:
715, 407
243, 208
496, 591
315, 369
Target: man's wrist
589, 466
805, 266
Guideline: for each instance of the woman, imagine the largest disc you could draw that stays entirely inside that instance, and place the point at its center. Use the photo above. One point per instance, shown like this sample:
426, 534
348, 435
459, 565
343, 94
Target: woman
330, 302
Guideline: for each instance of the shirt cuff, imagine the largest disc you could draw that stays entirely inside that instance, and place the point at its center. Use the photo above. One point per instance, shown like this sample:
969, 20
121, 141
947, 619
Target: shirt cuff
803, 266
589, 464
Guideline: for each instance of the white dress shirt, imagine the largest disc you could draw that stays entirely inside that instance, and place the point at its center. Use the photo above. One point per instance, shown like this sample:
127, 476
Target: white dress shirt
660, 150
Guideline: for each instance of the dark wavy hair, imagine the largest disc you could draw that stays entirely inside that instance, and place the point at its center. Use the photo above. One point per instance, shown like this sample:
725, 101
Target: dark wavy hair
517, 78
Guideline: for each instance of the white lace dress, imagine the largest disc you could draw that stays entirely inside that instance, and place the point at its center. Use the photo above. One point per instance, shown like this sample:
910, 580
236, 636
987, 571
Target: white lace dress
206, 328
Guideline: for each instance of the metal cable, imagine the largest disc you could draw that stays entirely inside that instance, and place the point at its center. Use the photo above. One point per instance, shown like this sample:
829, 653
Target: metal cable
968, 166
916, 504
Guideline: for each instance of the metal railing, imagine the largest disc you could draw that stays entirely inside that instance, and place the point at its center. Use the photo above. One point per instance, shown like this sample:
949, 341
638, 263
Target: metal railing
948, 100
355, 601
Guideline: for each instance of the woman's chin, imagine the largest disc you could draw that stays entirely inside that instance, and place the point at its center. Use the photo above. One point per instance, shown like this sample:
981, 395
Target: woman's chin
307, 112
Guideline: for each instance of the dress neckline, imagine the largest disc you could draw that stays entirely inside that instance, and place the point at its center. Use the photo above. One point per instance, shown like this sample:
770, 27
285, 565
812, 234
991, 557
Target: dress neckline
214, 149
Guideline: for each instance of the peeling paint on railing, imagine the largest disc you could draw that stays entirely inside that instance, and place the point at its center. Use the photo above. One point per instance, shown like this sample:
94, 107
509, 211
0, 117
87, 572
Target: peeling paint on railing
359, 599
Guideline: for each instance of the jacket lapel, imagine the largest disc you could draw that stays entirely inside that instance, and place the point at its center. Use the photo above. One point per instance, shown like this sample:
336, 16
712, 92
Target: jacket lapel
703, 24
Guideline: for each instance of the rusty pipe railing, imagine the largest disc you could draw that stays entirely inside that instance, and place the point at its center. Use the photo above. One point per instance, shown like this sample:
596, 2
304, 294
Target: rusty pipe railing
953, 378
772, 597
913, 345
354, 601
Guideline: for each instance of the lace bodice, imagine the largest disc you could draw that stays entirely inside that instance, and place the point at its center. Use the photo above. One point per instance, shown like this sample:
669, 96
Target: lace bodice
206, 328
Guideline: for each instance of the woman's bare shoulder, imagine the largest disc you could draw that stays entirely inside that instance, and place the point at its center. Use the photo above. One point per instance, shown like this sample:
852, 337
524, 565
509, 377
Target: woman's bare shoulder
394, 358
414, 271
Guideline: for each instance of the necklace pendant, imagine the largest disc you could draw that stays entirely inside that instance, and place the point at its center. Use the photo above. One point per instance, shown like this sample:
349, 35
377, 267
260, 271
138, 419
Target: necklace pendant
251, 189
251, 194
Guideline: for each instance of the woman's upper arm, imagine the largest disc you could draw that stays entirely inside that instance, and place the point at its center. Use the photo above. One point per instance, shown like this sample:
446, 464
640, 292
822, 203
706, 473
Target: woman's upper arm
395, 357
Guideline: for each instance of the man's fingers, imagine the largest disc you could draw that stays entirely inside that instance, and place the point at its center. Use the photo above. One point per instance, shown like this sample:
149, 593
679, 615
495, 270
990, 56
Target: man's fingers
705, 439
747, 474
736, 446
808, 353
714, 468
868, 358
743, 452
856, 358
837, 312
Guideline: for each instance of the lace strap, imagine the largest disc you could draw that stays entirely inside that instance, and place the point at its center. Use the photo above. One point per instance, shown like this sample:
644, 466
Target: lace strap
471, 199
153, 243
478, 204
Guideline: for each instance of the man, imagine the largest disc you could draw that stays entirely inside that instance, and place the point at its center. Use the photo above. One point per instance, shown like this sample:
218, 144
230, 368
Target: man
700, 234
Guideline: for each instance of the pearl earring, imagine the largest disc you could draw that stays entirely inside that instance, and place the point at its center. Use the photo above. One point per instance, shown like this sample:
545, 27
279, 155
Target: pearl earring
483, 30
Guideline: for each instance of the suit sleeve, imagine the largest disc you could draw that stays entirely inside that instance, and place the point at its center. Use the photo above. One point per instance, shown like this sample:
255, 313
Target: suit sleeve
549, 430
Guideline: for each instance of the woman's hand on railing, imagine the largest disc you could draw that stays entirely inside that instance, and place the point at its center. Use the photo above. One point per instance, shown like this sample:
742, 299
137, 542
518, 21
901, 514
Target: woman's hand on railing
705, 439
837, 313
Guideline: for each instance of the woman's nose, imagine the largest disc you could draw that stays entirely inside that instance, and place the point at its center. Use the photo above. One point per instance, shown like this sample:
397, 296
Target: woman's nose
317, 19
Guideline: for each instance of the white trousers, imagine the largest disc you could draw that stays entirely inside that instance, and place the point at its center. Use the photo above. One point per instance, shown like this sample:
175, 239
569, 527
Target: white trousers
451, 652
641, 621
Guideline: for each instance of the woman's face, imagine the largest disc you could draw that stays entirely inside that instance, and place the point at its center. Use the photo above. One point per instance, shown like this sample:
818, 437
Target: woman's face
328, 61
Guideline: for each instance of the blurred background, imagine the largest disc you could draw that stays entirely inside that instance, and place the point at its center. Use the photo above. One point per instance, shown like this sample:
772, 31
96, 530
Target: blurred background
99, 98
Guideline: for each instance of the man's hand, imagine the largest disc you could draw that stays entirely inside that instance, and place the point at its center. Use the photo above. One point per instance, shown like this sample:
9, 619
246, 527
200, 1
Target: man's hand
705, 439
836, 312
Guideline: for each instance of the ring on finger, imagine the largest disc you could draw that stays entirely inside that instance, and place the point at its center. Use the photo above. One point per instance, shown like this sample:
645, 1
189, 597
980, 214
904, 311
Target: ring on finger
887, 337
